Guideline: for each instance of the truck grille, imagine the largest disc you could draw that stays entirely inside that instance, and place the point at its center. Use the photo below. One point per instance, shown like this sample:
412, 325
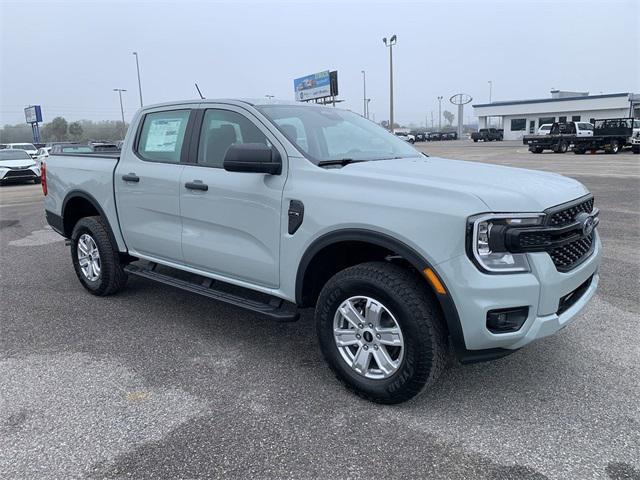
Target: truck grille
19, 174
568, 215
572, 254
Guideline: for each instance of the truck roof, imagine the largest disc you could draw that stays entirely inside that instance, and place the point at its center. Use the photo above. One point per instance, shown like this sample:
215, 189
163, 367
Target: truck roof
232, 101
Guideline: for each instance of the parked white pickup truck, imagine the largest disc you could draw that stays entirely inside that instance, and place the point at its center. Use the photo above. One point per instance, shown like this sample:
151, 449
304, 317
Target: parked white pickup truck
278, 206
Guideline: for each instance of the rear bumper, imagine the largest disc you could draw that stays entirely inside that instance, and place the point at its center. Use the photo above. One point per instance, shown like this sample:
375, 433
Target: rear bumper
475, 293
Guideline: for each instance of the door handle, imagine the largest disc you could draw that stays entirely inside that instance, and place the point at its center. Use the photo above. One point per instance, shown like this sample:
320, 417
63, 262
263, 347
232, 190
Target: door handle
131, 177
197, 185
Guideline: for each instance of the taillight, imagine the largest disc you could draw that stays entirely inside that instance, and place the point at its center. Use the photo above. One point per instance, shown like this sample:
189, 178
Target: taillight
43, 177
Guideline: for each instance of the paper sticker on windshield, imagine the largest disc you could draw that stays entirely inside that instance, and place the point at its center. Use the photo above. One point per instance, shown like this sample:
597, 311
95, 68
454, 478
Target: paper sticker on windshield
163, 135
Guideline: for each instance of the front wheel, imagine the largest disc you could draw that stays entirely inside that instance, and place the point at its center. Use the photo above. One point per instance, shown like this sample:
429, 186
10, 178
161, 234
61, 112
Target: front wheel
381, 331
95, 258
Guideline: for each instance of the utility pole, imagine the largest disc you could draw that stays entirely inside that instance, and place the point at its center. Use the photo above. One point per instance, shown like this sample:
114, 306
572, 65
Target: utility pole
139, 83
120, 90
431, 118
390, 43
440, 113
364, 94
490, 88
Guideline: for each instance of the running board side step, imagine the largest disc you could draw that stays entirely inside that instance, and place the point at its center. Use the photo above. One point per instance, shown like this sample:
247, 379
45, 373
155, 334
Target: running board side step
277, 309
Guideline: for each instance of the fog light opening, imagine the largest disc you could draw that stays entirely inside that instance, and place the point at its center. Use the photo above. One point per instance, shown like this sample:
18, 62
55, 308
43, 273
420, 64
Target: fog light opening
506, 320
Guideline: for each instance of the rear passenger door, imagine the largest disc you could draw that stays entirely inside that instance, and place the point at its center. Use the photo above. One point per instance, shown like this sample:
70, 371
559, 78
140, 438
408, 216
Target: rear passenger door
147, 184
232, 228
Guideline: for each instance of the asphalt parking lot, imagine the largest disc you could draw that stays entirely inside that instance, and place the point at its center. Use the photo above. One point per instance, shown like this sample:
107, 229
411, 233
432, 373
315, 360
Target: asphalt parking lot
159, 383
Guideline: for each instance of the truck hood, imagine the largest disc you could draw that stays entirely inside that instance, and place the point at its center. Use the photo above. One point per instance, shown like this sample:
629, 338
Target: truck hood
502, 189
17, 163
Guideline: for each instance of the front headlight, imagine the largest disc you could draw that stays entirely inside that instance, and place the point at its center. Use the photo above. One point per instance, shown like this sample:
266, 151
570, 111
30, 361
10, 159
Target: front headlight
486, 241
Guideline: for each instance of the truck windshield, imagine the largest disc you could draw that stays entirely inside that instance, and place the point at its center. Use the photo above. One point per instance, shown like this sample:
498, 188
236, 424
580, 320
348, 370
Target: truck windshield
325, 134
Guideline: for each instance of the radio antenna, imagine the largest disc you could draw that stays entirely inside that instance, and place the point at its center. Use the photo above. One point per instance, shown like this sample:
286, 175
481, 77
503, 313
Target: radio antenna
199, 92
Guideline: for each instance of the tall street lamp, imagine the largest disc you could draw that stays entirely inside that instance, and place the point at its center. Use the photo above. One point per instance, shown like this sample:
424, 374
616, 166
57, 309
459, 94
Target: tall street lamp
364, 94
120, 90
440, 113
490, 88
139, 83
390, 43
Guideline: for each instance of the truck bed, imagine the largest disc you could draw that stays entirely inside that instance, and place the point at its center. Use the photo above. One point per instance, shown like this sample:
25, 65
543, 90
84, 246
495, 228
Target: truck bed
91, 173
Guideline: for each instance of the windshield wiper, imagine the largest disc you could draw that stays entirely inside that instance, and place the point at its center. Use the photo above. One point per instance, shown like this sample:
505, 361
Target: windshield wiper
342, 161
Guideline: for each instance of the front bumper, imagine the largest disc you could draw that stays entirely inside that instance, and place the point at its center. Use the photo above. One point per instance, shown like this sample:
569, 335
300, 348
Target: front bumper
18, 174
475, 293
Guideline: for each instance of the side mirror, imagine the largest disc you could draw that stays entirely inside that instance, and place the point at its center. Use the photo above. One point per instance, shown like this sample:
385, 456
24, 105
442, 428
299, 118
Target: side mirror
252, 158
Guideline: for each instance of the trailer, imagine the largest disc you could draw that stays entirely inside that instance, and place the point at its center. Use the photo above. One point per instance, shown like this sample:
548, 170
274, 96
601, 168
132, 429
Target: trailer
560, 137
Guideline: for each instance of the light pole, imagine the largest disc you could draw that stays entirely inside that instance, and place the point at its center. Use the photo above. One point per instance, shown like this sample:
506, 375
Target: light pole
440, 113
490, 88
364, 94
390, 43
139, 83
367, 108
120, 90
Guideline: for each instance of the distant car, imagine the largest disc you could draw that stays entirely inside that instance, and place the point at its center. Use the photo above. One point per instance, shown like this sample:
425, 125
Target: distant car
419, 136
42, 154
407, 137
434, 136
18, 165
487, 135
545, 129
449, 135
30, 148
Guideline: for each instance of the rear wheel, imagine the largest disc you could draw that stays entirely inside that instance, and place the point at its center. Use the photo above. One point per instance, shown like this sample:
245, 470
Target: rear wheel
381, 332
614, 147
578, 151
95, 258
536, 150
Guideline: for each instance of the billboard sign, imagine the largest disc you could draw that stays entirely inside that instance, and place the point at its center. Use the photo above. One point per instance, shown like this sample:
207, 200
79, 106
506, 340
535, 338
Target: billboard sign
33, 114
317, 85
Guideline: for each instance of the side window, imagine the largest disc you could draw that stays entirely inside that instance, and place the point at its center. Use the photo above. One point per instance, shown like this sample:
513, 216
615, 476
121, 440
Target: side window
220, 130
162, 136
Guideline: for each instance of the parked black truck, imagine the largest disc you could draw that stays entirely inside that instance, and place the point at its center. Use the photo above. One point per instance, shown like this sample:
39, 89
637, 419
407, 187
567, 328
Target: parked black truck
487, 135
610, 135
560, 137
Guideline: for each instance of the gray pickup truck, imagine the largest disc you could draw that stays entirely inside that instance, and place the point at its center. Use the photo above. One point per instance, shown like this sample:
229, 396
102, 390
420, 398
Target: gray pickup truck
274, 207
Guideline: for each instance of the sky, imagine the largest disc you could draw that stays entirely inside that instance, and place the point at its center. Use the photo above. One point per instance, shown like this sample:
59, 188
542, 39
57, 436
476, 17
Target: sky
68, 56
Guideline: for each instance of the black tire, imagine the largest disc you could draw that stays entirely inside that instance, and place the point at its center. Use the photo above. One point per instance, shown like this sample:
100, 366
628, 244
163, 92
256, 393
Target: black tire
112, 277
411, 141
405, 294
37, 180
614, 147
635, 149
578, 151
475, 140
561, 147
535, 150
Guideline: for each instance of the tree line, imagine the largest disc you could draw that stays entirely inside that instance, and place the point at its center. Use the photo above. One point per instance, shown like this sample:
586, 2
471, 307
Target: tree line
60, 130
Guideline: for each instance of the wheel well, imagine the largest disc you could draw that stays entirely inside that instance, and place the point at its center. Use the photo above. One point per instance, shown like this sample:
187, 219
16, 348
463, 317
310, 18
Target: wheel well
336, 257
75, 209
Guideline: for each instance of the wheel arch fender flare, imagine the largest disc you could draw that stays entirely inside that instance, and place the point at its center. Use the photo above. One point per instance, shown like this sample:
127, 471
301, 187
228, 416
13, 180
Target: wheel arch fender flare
408, 253
73, 194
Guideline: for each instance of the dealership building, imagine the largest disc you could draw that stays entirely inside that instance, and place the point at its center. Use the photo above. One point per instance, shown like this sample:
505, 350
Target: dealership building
522, 117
